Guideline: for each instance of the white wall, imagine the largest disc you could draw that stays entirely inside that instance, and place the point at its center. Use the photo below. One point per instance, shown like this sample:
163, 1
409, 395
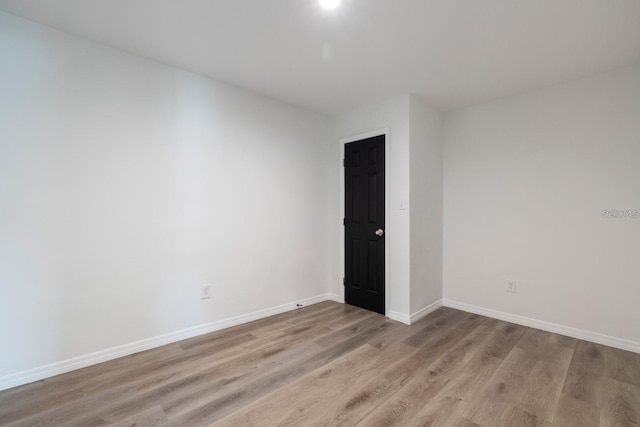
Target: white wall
126, 184
426, 205
392, 114
525, 182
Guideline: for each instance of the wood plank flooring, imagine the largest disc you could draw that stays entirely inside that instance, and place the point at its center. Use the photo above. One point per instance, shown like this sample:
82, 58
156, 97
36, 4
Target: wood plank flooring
336, 365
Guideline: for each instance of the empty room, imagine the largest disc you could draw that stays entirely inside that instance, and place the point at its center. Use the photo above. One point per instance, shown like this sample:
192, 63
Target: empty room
320, 212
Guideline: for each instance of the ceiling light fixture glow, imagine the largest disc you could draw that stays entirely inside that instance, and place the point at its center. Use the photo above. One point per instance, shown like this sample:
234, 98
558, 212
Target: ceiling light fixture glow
330, 4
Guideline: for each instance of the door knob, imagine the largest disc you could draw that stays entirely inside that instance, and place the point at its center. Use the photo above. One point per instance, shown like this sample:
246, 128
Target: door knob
379, 232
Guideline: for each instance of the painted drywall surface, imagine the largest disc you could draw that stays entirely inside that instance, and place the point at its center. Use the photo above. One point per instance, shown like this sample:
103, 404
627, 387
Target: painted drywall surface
526, 180
125, 185
426, 204
392, 114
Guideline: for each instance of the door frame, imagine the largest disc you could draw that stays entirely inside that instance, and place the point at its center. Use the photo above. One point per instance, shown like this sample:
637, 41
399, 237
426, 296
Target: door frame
387, 210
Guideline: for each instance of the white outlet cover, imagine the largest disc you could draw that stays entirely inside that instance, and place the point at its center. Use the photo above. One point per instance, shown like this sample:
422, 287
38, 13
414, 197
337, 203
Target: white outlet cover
205, 292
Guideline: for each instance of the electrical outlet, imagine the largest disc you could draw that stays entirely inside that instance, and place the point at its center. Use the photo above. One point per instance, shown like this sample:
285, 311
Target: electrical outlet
205, 292
511, 287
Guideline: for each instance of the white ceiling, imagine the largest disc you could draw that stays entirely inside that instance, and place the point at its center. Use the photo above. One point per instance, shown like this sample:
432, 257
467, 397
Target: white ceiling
452, 53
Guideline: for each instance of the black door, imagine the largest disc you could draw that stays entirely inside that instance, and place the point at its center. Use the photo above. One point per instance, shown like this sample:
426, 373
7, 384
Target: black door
364, 223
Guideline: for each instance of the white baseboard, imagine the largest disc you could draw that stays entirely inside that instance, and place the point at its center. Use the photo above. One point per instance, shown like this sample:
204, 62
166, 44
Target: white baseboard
408, 320
425, 310
39, 373
336, 298
399, 317
595, 337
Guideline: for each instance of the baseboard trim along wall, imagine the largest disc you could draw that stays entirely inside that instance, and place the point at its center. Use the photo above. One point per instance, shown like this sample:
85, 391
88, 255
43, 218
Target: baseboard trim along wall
414, 317
425, 311
336, 298
35, 374
595, 337
399, 317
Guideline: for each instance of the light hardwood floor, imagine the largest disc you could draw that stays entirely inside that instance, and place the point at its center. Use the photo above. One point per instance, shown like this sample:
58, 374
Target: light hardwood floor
334, 364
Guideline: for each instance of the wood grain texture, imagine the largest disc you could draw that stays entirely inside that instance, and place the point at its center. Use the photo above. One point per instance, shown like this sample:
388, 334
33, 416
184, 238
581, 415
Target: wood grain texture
585, 373
576, 413
336, 365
